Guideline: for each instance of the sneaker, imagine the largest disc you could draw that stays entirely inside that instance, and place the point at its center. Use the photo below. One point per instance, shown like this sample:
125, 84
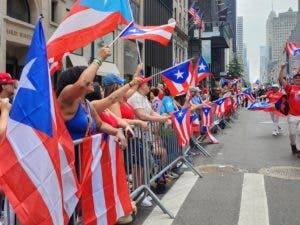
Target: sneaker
275, 133
146, 203
279, 128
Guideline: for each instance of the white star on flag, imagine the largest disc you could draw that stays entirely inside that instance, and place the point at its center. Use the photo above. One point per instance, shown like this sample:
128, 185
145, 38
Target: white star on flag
179, 74
202, 67
180, 114
133, 30
169, 103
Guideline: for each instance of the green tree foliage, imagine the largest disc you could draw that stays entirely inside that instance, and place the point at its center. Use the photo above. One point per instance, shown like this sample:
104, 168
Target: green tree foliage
236, 68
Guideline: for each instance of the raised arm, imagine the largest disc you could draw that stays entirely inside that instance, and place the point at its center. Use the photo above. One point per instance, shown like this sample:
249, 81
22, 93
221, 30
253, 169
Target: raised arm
137, 74
282, 81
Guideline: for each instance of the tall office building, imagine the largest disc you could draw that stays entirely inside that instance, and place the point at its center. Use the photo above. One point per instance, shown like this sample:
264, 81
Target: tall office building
231, 19
264, 58
239, 38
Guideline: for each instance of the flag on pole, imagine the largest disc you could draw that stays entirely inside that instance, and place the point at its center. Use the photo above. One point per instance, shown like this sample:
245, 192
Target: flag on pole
181, 122
37, 171
192, 10
202, 70
206, 121
292, 49
178, 78
247, 93
86, 21
105, 195
220, 106
161, 34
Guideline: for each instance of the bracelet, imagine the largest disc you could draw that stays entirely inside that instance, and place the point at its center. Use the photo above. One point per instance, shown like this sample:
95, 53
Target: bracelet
98, 60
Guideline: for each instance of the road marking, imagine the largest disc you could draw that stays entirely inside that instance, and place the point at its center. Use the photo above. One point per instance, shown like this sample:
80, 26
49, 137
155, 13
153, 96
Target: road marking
269, 122
172, 200
254, 206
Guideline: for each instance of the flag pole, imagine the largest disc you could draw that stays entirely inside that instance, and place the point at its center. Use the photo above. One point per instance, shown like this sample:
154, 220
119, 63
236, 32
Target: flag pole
120, 34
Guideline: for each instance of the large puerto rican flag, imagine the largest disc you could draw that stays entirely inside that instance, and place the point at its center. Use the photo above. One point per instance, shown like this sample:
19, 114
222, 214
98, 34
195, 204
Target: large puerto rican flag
105, 195
178, 78
37, 170
292, 49
181, 122
206, 121
161, 34
86, 21
202, 71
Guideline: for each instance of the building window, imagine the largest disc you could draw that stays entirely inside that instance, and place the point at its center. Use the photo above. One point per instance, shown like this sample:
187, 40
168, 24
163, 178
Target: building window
54, 10
105, 40
18, 9
135, 11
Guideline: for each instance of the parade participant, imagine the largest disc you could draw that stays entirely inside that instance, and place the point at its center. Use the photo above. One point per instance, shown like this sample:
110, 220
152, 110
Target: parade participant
273, 96
7, 86
293, 97
80, 117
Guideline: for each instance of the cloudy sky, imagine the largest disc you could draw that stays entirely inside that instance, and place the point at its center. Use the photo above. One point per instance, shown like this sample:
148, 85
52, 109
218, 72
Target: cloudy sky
255, 13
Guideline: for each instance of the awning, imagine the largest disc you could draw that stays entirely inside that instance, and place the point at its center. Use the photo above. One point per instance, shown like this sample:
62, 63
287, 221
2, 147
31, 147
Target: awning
77, 60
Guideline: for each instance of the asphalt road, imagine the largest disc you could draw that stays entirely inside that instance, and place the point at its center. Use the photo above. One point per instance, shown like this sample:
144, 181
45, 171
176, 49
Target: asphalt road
238, 188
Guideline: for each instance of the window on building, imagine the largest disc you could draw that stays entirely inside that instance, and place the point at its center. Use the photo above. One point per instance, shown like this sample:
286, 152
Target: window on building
106, 40
175, 13
135, 10
54, 9
18, 9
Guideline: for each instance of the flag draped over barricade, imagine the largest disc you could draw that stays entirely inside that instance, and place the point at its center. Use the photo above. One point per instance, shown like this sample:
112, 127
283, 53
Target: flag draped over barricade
206, 122
178, 78
161, 34
220, 106
201, 71
105, 195
182, 125
86, 21
37, 171
247, 94
292, 49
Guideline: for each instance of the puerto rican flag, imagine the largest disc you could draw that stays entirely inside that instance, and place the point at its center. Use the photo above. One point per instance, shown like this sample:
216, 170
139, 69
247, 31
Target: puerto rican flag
37, 171
105, 195
206, 121
161, 34
178, 78
202, 71
292, 49
181, 122
86, 21
265, 106
220, 106
247, 93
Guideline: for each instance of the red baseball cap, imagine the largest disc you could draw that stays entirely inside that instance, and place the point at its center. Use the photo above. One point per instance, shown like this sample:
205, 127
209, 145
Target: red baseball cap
5, 78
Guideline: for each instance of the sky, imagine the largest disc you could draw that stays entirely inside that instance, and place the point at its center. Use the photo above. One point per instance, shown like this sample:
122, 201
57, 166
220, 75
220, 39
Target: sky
255, 14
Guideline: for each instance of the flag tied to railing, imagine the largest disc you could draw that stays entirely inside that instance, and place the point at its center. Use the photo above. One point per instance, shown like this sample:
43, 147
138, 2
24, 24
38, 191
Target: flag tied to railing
161, 34
178, 78
105, 195
86, 21
37, 170
206, 122
292, 49
181, 122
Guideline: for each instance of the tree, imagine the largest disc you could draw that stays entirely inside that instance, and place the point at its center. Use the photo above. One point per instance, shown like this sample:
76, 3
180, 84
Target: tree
236, 68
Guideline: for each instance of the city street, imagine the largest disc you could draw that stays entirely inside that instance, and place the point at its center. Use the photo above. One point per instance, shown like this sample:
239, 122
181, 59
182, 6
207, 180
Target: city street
251, 179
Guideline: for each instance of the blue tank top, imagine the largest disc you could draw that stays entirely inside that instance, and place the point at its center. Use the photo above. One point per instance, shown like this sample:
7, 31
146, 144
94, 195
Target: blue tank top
78, 125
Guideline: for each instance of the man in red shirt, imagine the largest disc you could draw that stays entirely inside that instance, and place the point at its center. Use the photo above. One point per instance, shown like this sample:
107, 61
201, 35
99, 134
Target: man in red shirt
293, 94
273, 96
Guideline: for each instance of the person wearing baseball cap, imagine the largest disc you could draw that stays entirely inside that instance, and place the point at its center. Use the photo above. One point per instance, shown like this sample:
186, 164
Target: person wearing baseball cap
7, 87
293, 98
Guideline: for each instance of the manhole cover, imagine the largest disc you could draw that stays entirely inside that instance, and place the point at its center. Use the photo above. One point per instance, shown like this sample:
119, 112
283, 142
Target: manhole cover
283, 172
214, 168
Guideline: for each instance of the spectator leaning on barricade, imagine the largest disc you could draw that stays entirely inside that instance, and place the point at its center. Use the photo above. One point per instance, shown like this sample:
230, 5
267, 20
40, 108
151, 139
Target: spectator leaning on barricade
80, 117
143, 111
293, 98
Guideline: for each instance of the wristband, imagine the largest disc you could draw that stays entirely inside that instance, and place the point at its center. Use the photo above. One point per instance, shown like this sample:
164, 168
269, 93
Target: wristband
98, 60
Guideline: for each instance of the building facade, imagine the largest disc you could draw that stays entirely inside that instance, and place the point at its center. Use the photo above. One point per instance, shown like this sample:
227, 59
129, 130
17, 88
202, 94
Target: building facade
264, 58
239, 38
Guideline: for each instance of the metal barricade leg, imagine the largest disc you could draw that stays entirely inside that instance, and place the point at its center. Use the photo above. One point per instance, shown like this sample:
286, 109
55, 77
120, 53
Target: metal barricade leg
191, 167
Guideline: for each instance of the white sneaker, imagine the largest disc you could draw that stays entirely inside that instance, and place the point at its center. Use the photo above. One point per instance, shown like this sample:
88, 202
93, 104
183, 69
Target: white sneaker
146, 202
275, 133
149, 198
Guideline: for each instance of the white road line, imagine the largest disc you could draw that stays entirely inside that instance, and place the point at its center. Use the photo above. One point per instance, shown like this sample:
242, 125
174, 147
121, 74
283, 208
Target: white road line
172, 200
254, 206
